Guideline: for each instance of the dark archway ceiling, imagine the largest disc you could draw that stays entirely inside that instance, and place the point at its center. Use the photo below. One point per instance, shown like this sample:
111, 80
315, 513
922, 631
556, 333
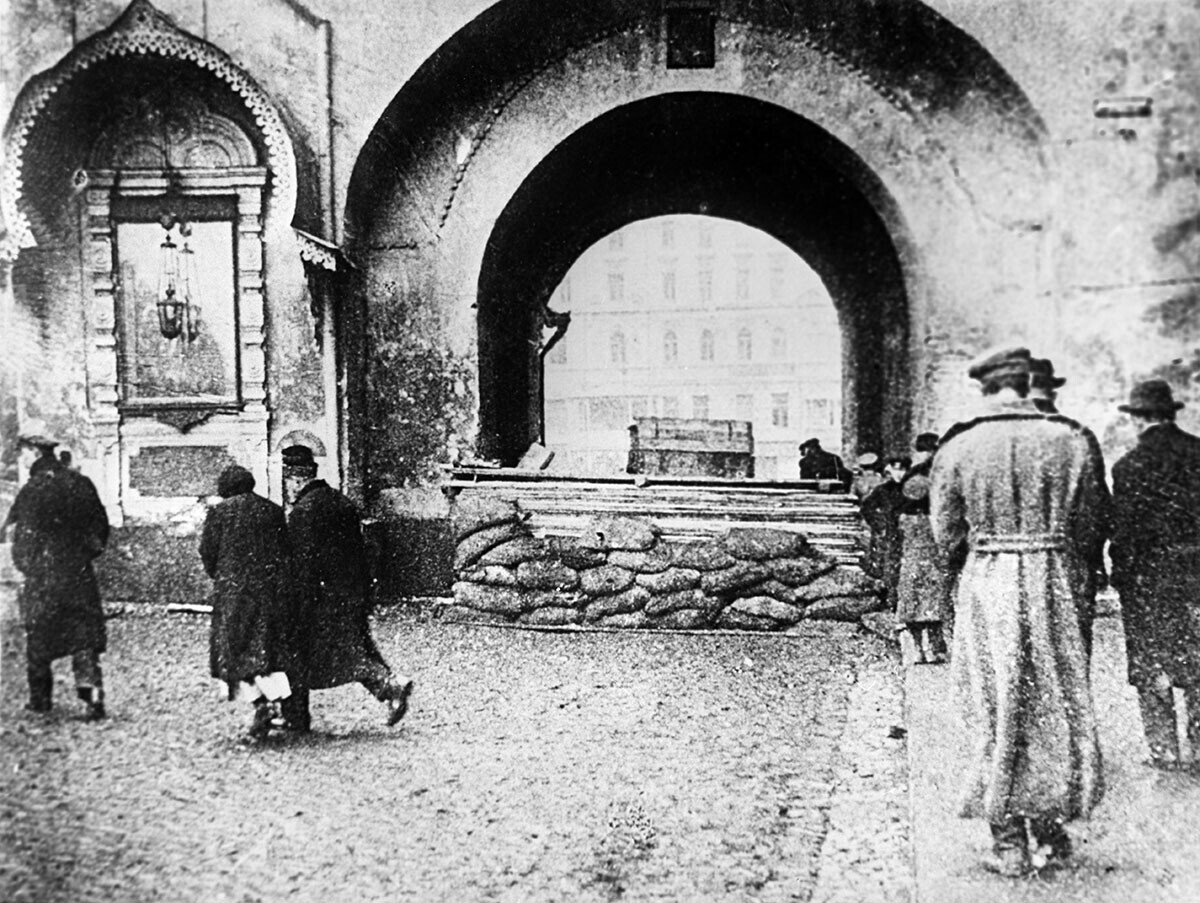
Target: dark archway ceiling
722, 155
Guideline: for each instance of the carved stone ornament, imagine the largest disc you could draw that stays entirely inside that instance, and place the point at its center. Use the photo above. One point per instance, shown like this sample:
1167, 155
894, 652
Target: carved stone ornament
326, 268
142, 30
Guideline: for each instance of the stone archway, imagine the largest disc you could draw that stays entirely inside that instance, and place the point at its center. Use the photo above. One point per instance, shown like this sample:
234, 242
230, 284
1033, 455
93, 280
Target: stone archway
538, 128
708, 153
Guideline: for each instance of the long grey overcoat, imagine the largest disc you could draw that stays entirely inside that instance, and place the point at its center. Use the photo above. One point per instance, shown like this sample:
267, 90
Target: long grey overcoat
245, 550
61, 526
924, 584
1156, 555
1026, 494
334, 635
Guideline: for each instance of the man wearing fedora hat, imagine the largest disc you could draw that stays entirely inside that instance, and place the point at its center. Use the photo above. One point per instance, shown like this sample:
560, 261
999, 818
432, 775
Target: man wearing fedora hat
1155, 554
1044, 385
60, 527
1018, 505
333, 579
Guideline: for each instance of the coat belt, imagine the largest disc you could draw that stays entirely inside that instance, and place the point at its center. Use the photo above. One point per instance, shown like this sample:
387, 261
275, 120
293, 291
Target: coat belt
1018, 542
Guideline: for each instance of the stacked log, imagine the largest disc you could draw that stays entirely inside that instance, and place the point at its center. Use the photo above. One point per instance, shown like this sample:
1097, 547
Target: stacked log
621, 572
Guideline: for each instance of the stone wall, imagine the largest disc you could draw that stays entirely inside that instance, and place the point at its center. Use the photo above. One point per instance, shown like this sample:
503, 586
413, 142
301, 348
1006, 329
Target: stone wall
621, 572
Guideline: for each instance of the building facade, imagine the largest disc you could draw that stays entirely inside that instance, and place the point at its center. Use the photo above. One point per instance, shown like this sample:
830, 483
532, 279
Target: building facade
231, 227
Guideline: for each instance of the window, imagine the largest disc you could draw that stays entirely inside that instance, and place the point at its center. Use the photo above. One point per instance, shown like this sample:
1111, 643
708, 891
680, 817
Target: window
616, 348
779, 409
616, 288
818, 412
742, 283
744, 407
668, 234
700, 407
184, 351
668, 406
745, 350
668, 286
704, 279
707, 345
778, 343
670, 348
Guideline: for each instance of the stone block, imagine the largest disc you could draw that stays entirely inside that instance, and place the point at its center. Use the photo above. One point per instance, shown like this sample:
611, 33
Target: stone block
684, 619
669, 602
650, 561
763, 543
766, 607
516, 550
630, 620
843, 581
491, 574
569, 552
632, 599
743, 574
632, 534
552, 616
672, 580
844, 608
546, 575
797, 571
473, 547
605, 580
701, 556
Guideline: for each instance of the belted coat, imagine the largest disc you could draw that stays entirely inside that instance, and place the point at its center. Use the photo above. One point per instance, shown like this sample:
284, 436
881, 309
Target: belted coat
334, 635
1025, 493
60, 528
924, 583
244, 548
1155, 554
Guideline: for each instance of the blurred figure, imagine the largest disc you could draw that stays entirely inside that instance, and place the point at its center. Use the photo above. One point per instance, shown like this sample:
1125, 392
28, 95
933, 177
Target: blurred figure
881, 512
923, 602
868, 476
1155, 554
1044, 385
245, 551
818, 464
333, 631
1024, 496
60, 528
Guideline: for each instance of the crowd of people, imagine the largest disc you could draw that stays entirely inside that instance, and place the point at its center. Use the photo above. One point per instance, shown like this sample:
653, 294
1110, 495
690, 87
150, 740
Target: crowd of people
291, 593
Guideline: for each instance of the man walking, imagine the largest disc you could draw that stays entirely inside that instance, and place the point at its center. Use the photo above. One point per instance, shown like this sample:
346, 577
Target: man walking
1025, 494
1156, 566
333, 636
245, 551
60, 528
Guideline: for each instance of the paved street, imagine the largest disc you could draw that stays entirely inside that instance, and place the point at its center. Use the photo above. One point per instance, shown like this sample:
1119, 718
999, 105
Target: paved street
532, 766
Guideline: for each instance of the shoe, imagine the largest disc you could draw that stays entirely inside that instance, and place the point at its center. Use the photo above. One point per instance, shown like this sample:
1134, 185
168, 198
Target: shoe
1163, 763
397, 700
1053, 844
95, 712
1011, 862
40, 707
260, 722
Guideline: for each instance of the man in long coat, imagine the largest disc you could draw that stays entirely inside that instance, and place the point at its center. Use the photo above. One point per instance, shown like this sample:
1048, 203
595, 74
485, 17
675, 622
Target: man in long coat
245, 551
333, 631
923, 586
1025, 493
60, 528
1156, 566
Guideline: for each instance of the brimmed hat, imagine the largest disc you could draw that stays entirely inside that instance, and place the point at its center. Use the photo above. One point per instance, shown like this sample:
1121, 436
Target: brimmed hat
36, 440
299, 459
1041, 374
1153, 396
999, 362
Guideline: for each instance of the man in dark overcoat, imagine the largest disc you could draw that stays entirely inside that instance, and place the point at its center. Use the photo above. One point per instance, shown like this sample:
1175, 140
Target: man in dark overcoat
818, 464
1155, 554
60, 527
1023, 495
333, 631
245, 551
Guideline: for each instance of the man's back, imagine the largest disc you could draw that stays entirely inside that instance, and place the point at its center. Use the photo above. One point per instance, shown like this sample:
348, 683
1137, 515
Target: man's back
1157, 491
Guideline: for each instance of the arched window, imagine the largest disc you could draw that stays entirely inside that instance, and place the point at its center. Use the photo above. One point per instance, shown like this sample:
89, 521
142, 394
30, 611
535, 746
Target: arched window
745, 350
616, 348
707, 345
670, 348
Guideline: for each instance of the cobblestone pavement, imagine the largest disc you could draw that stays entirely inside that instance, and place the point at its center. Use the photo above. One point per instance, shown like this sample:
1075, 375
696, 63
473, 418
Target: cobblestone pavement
532, 766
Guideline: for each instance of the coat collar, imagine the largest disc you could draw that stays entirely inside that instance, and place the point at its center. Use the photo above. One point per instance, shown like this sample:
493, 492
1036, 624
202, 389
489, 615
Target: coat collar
309, 487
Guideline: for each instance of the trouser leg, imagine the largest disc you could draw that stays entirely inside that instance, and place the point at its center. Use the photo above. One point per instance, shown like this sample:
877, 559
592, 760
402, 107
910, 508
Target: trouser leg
41, 684
89, 679
1158, 722
294, 709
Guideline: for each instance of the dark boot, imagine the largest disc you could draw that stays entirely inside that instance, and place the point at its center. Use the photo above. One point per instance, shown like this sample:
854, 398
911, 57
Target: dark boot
94, 697
1010, 849
1052, 840
294, 712
41, 688
260, 721
396, 695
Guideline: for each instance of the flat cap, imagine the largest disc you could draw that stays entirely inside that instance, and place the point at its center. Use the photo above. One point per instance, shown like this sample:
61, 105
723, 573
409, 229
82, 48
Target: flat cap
999, 362
1041, 373
299, 457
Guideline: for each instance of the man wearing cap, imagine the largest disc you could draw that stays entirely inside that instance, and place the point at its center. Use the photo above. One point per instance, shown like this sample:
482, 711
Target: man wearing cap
60, 528
1044, 385
333, 627
923, 587
1155, 554
245, 551
868, 475
1019, 498
818, 464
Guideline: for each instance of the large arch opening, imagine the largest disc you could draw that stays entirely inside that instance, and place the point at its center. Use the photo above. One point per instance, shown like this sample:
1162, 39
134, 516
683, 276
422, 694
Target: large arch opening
713, 154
